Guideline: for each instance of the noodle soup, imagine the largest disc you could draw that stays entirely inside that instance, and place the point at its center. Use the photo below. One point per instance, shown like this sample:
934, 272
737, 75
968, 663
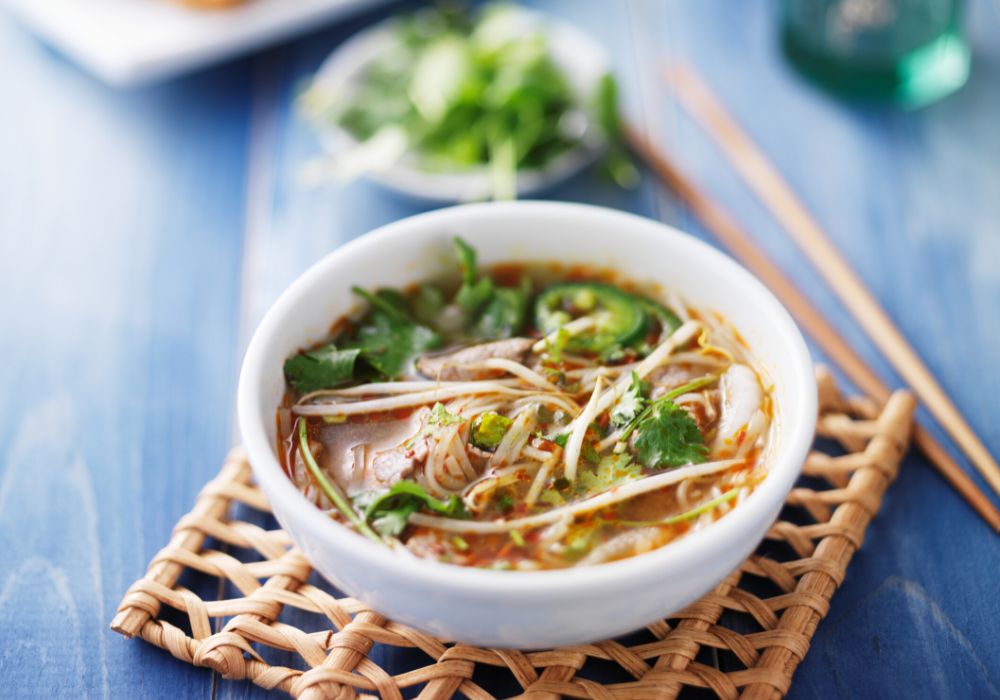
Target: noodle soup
526, 417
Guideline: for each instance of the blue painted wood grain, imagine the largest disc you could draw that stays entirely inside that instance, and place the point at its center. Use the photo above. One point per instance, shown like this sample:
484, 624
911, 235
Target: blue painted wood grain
142, 235
120, 238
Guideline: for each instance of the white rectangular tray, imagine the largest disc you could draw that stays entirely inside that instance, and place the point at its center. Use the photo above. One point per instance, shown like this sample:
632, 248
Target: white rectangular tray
128, 42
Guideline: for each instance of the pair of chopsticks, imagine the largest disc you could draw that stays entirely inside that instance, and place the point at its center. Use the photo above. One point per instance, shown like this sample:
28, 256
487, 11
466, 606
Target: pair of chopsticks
764, 180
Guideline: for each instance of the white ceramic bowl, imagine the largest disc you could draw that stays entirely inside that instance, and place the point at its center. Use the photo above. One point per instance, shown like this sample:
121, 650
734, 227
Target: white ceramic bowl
582, 59
546, 608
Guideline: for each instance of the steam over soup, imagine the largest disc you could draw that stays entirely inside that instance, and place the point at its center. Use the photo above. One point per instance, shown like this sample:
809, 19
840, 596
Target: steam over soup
526, 417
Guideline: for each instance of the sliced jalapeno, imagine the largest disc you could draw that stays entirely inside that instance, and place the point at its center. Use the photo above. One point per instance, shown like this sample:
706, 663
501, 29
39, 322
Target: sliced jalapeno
619, 317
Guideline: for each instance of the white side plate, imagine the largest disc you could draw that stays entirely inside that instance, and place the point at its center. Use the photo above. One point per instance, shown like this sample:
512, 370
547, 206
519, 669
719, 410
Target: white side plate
128, 42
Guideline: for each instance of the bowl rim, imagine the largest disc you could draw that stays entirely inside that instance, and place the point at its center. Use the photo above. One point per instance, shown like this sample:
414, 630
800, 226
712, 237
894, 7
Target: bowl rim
766, 499
341, 67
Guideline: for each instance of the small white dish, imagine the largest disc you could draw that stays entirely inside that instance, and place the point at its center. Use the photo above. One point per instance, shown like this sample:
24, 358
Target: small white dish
583, 60
543, 608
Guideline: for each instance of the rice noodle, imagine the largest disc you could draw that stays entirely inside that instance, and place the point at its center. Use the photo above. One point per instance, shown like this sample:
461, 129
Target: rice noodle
582, 422
418, 398
534, 453
389, 388
458, 452
451, 474
618, 494
549, 400
428, 480
540, 478
551, 536
490, 482
514, 439
515, 368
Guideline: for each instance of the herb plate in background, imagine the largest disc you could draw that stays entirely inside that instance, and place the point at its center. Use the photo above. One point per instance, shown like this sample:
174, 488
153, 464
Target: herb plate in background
582, 61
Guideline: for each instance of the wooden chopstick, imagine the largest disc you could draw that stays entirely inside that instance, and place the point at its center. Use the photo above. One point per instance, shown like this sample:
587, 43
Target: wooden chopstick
764, 179
729, 233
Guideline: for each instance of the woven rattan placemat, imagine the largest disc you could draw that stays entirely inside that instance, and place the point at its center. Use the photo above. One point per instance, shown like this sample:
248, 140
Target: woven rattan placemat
264, 616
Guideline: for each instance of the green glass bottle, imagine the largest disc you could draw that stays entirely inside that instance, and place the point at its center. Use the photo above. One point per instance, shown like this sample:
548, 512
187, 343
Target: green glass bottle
912, 52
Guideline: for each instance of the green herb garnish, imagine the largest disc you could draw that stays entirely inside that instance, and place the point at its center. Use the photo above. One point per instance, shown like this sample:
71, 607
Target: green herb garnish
504, 314
323, 368
473, 293
389, 512
669, 437
488, 430
441, 416
458, 93
631, 404
427, 304
492, 312
505, 503
388, 338
693, 385
611, 471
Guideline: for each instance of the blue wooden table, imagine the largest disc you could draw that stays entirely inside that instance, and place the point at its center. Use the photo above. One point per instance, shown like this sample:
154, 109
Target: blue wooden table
142, 234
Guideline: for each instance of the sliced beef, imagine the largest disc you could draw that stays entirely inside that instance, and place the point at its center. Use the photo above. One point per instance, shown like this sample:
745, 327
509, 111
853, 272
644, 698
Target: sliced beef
446, 366
389, 466
373, 454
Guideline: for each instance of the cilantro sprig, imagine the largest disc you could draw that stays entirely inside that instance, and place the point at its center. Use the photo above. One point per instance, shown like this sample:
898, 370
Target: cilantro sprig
492, 312
667, 435
388, 338
324, 368
389, 512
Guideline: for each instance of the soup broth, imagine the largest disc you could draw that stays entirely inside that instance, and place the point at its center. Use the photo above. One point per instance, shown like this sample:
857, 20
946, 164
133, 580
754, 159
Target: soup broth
526, 417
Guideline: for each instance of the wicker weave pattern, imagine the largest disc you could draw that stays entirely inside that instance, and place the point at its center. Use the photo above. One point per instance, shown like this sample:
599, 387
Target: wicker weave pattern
756, 626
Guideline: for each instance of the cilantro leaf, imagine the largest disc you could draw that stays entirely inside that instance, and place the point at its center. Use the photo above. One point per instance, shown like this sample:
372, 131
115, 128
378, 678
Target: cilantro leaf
669, 437
503, 316
428, 303
323, 368
631, 404
390, 511
471, 297
472, 294
492, 312
441, 416
612, 470
388, 338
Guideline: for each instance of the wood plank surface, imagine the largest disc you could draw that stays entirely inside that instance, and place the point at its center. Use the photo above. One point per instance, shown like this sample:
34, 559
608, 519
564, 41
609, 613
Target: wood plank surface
143, 234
